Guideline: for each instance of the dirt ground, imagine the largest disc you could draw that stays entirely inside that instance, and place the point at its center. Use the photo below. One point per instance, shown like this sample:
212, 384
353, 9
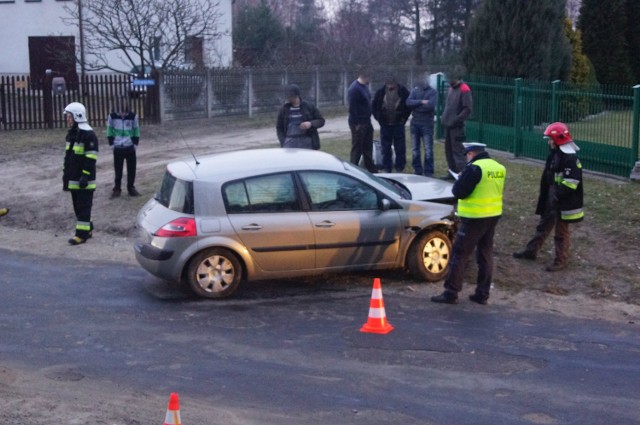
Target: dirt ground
41, 220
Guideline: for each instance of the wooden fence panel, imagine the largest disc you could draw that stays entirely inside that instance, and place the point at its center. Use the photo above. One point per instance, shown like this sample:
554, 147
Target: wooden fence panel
23, 106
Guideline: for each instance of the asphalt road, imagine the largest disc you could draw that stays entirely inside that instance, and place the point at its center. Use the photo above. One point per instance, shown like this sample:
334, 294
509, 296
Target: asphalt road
291, 352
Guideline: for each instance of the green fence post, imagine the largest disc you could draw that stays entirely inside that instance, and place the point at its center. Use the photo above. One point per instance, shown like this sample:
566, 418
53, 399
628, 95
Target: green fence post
440, 106
517, 117
635, 136
555, 85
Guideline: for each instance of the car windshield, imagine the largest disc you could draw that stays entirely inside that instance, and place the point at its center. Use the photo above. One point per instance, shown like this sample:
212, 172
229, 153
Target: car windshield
176, 194
398, 189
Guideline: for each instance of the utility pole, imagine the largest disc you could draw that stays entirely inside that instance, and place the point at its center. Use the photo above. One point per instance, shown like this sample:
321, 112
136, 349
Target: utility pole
81, 34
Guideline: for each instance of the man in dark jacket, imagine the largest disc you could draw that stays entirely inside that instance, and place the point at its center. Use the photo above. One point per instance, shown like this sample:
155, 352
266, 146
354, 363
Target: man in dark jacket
389, 108
457, 109
79, 171
422, 101
560, 200
298, 122
359, 98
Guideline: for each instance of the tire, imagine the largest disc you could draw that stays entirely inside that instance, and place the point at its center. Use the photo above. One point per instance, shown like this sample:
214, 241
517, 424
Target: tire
214, 273
429, 256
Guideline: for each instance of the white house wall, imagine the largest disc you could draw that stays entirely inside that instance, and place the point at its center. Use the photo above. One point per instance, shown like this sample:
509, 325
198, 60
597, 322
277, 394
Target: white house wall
22, 19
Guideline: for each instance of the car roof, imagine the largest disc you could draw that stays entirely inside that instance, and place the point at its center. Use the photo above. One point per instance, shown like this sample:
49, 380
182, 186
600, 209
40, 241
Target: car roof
239, 164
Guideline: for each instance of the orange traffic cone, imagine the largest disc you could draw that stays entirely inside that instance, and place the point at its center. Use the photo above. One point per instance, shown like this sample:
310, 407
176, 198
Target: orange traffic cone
173, 411
377, 322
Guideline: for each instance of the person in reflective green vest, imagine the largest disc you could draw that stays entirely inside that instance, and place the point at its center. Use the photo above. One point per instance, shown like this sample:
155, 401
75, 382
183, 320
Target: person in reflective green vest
478, 188
560, 200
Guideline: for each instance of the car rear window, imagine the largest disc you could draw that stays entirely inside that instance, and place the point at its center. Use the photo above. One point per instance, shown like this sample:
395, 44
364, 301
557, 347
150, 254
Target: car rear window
176, 194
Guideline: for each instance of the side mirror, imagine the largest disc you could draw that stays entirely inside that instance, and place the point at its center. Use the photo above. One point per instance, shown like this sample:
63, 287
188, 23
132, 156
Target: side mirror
385, 204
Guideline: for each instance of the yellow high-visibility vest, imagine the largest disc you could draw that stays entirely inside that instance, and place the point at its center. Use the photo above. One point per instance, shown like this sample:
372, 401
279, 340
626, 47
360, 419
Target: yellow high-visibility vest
486, 198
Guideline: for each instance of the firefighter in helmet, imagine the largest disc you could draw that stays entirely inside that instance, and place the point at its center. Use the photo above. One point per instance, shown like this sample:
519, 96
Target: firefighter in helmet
79, 172
561, 197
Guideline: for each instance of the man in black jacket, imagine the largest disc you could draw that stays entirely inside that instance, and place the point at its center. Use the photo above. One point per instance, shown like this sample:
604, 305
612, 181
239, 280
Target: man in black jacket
298, 122
389, 108
561, 197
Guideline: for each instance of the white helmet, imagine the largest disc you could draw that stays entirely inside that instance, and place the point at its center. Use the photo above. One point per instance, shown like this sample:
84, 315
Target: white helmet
79, 114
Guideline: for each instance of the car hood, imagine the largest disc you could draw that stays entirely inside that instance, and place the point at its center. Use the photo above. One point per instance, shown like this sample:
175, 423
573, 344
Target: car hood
423, 188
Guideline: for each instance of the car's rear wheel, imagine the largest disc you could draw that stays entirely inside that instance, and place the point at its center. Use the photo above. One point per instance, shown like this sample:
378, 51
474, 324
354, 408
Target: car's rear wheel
429, 256
214, 273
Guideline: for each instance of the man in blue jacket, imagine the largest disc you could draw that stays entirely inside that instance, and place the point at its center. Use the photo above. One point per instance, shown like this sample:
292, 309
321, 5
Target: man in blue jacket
422, 101
360, 122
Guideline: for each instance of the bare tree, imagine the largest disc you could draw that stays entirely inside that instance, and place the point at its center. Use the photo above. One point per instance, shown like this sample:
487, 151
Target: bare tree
146, 33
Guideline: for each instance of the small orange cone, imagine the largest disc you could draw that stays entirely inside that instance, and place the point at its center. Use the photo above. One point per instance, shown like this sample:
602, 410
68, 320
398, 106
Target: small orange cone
377, 322
173, 411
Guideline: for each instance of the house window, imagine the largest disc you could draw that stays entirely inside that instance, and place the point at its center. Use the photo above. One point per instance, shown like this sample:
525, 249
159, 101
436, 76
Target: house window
155, 48
194, 52
7, 1
32, 1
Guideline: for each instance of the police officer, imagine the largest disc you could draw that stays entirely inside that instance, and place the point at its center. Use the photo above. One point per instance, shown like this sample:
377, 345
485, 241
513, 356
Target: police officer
79, 172
479, 190
560, 200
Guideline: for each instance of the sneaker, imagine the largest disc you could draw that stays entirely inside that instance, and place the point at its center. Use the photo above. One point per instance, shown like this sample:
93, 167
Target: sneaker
445, 298
77, 240
479, 299
133, 192
115, 193
525, 255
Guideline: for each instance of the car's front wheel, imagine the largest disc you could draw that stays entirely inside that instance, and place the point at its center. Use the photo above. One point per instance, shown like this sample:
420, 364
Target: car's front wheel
429, 256
214, 273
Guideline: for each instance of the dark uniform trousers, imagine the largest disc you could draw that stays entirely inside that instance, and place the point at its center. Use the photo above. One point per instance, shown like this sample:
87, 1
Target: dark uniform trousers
549, 219
120, 155
82, 202
473, 232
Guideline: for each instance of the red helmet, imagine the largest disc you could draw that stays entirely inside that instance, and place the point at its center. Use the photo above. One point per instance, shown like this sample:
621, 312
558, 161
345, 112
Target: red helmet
559, 133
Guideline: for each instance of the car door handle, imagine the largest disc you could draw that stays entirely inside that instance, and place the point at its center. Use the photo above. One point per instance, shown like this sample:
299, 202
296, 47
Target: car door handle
252, 226
325, 223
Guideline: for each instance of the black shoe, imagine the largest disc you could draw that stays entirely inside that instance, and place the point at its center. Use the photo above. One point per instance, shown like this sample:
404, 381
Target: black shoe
445, 298
115, 193
556, 266
525, 255
479, 299
133, 192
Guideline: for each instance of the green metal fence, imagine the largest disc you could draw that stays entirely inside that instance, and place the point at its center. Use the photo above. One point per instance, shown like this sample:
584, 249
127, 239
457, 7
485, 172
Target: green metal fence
511, 115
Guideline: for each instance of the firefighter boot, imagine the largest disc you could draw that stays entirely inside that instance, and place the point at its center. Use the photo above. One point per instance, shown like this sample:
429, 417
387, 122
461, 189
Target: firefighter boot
77, 240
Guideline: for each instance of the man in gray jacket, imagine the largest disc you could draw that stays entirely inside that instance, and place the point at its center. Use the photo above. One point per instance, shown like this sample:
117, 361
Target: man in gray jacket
457, 109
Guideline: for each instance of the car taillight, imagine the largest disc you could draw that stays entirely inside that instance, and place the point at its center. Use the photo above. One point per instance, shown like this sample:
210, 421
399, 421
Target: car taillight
178, 228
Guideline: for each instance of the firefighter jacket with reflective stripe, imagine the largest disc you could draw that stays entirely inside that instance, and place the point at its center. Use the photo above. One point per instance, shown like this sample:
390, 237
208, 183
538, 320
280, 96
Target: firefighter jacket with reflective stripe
80, 158
563, 172
479, 188
123, 131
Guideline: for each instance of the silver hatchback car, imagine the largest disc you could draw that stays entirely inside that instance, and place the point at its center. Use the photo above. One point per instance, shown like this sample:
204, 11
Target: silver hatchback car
276, 213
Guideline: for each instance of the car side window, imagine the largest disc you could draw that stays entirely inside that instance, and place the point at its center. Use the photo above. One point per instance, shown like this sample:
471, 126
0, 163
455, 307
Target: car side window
336, 192
271, 193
